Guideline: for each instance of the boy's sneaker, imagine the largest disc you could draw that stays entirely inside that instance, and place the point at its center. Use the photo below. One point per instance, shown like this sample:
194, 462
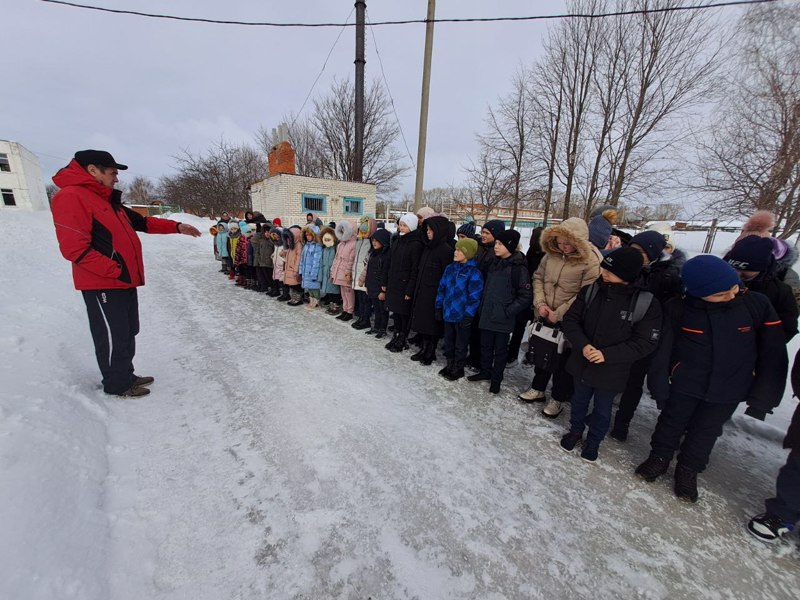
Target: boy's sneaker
686, 483
620, 431
479, 377
768, 528
653, 468
570, 440
134, 392
552, 409
532, 395
371, 331
589, 452
455, 374
142, 381
381, 333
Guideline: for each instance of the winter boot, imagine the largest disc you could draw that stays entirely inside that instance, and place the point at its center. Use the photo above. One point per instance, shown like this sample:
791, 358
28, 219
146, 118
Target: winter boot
480, 376
685, 483
416, 339
430, 353
768, 528
444, 372
494, 387
334, 309
232, 274
275, 290
401, 344
455, 373
380, 334
241, 281
620, 431
653, 468
589, 452
393, 342
297, 298
284, 295
569, 441
532, 395
419, 354
345, 316
312, 303
142, 381
361, 324
552, 409
370, 331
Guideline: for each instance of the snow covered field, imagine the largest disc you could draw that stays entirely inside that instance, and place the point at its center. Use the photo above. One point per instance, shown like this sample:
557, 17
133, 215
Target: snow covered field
284, 455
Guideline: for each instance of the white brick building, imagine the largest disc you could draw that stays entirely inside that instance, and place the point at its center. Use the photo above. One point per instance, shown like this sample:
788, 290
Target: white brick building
21, 183
291, 197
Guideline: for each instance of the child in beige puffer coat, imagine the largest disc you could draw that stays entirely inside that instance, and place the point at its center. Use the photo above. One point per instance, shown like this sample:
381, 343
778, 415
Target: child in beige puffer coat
570, 263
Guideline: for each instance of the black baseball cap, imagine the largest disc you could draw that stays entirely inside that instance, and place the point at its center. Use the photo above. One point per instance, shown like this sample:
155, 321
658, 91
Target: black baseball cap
99, 158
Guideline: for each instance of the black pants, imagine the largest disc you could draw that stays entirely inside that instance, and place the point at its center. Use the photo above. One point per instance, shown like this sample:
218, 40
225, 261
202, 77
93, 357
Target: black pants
456, 342
264, 277
227, 264
563, 382
519, 332
474, 358
786, 503
629, 401
381, 314
402, 323
702, 421
494, 352
114, 323
364, 305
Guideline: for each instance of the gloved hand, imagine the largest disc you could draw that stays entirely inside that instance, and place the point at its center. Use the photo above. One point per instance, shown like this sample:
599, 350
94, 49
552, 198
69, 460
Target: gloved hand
756, 413
466, 321
438, 314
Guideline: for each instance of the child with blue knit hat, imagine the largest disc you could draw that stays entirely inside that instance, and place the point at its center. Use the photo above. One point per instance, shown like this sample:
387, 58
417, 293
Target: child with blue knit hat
720, 346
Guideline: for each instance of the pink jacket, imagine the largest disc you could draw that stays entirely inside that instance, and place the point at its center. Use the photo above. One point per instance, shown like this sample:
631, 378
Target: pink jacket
342, 269
291, 275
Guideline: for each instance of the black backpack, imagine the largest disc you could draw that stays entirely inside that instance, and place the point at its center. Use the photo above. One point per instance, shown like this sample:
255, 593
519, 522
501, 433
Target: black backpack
640, 303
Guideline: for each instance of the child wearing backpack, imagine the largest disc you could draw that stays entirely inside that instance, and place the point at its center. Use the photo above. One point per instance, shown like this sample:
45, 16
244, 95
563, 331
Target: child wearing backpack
720, 346
611, 324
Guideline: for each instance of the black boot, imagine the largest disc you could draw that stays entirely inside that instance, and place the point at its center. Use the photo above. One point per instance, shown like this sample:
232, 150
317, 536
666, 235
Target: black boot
345, 316
419, 355
393, 342
620, 430
653, 468
455, 374
430, 352
401, 344
361, 324
416, 339
380, 334
446, 370
686, 483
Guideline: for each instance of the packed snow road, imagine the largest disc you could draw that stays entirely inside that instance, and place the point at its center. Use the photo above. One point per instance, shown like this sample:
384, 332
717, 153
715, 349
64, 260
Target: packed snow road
283, 454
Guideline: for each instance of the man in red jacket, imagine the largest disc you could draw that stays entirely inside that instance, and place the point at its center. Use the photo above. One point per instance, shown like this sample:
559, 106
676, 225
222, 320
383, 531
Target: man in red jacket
97, 234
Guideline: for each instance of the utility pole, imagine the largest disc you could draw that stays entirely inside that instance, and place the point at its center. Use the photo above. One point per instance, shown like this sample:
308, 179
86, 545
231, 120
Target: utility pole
358, 167
423, 109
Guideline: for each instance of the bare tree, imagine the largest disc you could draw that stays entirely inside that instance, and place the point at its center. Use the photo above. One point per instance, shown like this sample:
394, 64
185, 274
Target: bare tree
487, 187
215, 182
141, 190
752, 160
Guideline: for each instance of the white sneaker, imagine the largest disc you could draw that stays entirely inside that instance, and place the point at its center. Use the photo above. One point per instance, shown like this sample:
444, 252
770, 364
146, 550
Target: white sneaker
532, 395
552, 409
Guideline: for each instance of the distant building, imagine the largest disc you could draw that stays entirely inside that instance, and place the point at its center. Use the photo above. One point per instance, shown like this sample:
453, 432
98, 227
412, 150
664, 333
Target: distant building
21, 183
526, 217
291, 197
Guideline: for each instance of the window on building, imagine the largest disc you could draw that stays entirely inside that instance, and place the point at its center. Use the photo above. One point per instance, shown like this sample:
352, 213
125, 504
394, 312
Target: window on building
353, 206
8, 197
5, 166
313, 203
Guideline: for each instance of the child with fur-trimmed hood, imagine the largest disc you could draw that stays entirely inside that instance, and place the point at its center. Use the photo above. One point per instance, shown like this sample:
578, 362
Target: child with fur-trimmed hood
310, 258
278, 262
292, 247
366, 227
570, 263
342, 269
328, 288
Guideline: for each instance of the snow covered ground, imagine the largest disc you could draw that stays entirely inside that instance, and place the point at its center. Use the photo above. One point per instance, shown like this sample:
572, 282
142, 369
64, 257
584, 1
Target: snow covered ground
284, 455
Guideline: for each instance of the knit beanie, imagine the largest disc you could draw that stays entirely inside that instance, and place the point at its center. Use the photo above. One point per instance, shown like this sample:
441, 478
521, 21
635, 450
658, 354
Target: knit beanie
652, 242
667, 232
277, 222
509, 238
599, 231
468, 247
467, 229
706, 275
495, 226
425, 212
625, 263
410, 219
752, 253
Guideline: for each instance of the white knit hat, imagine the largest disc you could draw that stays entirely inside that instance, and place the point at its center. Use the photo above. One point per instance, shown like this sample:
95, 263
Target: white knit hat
410, 219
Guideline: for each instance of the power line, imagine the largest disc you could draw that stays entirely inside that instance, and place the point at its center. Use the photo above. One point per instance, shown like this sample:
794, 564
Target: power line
322, 70
417, 21
391, 99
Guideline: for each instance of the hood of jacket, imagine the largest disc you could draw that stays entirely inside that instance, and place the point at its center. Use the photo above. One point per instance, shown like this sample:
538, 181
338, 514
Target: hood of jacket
576, 231
371, 225
383, 236
331, 231
440, 227
74, 174
345, 231
314, 230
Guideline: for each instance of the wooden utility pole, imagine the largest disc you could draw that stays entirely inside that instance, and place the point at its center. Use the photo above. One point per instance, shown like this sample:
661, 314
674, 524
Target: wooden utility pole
358, 159
423, 109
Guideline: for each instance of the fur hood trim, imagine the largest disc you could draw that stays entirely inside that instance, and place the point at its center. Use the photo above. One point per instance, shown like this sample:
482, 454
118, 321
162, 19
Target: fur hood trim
345, 231
576, 231
314, 230
331, 231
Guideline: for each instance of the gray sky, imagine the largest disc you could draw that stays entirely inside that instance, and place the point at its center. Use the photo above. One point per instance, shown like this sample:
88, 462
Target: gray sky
144, 88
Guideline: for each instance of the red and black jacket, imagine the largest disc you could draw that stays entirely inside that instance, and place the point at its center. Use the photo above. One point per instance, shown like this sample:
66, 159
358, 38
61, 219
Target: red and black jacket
97, 234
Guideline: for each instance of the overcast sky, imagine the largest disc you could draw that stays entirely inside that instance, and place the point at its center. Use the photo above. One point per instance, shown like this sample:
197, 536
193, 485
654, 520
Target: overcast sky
145, 88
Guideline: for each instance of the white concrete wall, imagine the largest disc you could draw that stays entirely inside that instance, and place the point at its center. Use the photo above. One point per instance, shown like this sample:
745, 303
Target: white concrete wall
24, 180
282, 196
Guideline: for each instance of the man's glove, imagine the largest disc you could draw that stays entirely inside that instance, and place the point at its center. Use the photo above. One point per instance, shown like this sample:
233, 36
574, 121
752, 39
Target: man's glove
756, 413
439, 314
466, 321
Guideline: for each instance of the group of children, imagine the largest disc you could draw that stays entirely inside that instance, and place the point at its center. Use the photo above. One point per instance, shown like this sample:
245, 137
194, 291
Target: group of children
706, 333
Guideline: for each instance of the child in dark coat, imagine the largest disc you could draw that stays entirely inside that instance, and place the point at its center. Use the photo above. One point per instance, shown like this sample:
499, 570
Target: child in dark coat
783, 511
507, 291
720, 346
374, 277
457, 301
607, 335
